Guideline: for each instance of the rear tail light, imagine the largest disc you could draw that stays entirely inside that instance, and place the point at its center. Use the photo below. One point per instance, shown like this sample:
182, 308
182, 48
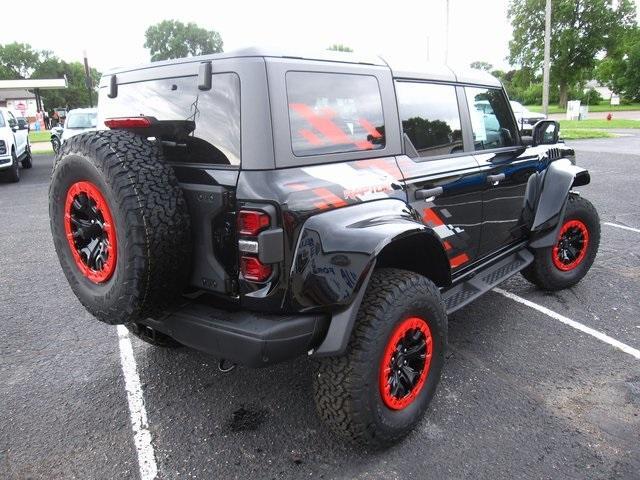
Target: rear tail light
254, 270
252, 222
127, 122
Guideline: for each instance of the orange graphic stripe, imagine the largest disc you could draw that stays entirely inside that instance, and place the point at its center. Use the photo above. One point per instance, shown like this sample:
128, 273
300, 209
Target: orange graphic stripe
329, 197
429, 216
371, 130
458, 260
310, 137
321, 123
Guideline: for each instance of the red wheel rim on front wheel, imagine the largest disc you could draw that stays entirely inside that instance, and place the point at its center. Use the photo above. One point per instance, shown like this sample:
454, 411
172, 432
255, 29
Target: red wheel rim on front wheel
571, 247
90, 231
405, 363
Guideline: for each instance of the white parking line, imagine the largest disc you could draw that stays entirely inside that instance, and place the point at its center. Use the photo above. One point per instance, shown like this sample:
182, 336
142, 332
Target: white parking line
623, 227
572, 323
137, 412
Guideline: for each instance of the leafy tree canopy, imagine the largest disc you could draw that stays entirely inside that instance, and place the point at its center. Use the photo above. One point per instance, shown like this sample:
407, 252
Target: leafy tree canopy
17, 60
20, 60
580, 30
338, 47
620, 69
480, 65
76, 94
173, 39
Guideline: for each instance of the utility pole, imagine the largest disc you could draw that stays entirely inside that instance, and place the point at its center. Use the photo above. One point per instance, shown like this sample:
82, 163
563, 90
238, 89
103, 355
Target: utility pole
87, 80
446, 39
547, 58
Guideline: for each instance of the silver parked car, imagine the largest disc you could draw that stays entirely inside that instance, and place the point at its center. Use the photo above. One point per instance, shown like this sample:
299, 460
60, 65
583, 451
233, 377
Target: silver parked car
78, 121
526, 118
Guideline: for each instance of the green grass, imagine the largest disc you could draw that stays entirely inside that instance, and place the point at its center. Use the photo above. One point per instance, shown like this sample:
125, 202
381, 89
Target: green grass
619, 123
583, 133
41, 136
44, 152
602, 107
538, 109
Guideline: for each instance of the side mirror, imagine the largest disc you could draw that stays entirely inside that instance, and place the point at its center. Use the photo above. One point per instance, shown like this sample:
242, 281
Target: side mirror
527, 140
545, 132
15, 128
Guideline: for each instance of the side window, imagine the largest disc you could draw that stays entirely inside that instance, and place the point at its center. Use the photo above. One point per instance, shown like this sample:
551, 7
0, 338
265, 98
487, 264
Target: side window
11, 119
491, 119
216, 113
430, 117
334, 113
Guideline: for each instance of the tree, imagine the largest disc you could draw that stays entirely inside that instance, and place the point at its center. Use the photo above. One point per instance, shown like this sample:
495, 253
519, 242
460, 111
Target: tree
338, 47
580, 30
620, 69
480, 65
173, 39
17, 60
76, 94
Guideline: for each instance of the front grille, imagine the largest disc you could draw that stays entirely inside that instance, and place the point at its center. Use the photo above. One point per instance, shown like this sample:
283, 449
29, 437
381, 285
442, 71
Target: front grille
3, 147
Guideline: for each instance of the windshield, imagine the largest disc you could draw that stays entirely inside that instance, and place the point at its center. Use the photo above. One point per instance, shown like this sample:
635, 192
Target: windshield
82, 120
516, 106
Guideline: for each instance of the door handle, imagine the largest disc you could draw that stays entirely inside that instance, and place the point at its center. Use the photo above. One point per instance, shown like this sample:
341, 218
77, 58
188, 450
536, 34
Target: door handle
425, 193
495, 179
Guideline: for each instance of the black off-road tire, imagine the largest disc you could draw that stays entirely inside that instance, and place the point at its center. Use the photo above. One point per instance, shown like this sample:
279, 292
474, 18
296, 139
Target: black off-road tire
544, 273
27, 161
346, 388
152, 336
12, 174
151, 224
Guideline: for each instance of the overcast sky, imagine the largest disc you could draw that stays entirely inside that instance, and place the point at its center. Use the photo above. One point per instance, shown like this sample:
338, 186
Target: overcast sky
112, 32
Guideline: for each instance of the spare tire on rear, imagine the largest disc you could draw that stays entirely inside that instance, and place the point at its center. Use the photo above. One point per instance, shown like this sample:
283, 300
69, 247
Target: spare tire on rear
120, 225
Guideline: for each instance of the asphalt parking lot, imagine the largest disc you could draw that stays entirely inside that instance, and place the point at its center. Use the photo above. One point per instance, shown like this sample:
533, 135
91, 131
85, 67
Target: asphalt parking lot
523, 395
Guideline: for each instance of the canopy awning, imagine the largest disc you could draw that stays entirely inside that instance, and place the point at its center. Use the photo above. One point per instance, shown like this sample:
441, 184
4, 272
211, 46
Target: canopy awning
40, 83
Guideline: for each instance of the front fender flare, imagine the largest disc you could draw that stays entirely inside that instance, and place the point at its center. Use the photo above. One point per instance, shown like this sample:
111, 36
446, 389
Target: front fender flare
559, 177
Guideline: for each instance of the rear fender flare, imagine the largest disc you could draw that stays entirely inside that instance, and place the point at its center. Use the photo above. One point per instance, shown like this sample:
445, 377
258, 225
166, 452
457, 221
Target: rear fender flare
337, 252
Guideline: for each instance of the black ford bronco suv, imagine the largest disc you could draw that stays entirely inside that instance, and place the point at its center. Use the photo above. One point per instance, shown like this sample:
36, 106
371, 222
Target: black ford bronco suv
261, 207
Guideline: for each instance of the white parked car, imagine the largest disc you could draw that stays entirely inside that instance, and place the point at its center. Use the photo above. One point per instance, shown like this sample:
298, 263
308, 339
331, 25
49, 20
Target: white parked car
14, 146
526, 118
79, 120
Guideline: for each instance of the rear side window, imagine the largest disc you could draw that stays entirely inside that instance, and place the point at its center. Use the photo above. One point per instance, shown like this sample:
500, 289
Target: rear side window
430, 117
216, 113
493, 125
334, 113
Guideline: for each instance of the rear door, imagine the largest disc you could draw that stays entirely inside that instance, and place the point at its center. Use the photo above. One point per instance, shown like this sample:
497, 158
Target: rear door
505, 165
444, 184
206, 161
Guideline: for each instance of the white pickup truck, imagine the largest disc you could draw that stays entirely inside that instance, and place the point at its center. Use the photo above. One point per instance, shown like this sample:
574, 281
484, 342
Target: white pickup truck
14, 146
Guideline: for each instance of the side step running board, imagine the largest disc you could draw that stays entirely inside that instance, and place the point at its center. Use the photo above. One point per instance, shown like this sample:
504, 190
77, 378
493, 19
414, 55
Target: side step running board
483, 281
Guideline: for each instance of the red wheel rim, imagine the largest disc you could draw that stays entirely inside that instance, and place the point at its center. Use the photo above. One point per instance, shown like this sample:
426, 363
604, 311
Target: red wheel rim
90, 231
405, 363
571, 247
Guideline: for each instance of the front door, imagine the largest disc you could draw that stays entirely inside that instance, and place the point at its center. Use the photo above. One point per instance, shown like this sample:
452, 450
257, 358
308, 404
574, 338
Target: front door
505, 166
19, 135
444, 184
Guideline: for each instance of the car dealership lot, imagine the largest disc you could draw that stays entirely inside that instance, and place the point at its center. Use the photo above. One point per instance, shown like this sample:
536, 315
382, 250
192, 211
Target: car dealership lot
523, 395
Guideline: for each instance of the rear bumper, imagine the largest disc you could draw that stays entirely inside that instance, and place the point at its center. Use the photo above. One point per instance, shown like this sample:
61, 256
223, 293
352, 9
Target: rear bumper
249, 338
